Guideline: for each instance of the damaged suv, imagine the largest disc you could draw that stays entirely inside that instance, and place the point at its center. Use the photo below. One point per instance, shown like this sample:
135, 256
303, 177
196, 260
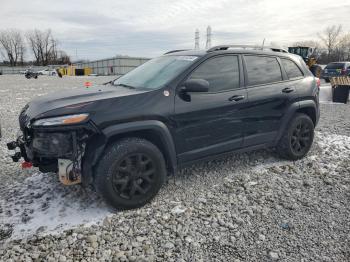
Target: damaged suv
126, 136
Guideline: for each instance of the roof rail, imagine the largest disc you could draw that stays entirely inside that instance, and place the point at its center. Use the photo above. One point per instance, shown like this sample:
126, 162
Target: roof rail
253, 47
174, 51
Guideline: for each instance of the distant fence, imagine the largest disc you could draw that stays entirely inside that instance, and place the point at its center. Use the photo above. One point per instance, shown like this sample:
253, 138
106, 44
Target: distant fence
6, 70
112, 66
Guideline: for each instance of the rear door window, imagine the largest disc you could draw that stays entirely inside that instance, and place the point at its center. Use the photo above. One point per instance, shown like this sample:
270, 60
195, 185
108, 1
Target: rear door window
262, 70
292, 70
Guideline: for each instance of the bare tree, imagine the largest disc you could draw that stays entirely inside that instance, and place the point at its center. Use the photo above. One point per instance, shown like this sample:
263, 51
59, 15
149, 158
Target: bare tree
343, 48
13, 45
53, 52
62, 57
34, 45
43, 46
330, 37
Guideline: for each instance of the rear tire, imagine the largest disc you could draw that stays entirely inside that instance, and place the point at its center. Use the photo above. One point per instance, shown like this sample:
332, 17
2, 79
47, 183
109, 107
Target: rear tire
297, 138
130, 173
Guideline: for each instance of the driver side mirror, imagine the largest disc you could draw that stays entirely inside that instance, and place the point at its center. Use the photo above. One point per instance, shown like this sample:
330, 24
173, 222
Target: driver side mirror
195, 85
191, 86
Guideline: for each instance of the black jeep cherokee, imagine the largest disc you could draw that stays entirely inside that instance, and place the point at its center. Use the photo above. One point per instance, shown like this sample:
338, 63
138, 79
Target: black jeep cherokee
124, 137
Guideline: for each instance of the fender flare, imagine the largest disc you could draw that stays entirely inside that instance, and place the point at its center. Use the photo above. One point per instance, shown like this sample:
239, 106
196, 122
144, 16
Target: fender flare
307, 103
154, 125
97, 145
293, 108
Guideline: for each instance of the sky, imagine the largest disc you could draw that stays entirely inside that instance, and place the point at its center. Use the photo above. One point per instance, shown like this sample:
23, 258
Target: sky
104, 28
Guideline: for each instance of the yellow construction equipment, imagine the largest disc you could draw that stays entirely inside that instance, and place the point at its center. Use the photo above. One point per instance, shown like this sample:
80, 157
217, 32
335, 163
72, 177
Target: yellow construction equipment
309, 55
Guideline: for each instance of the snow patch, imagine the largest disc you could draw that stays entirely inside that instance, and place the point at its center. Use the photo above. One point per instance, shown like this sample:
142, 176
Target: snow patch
42, 205
332, 146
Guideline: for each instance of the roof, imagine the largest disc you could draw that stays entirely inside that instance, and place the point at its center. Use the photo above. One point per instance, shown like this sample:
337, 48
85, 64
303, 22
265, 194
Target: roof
340, 62
230, 51
187, 53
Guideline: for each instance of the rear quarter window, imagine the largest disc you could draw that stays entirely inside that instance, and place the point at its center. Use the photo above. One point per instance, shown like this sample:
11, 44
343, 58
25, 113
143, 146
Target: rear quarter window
292, 70
262, 70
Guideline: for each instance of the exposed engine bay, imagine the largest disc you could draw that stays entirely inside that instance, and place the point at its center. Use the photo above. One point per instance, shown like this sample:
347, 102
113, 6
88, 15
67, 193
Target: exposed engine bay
59, 152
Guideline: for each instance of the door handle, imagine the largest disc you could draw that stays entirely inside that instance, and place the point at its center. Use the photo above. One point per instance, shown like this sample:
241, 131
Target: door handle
236, 98
287, 90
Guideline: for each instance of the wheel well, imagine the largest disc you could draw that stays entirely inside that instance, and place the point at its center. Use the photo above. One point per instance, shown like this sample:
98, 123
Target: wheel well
153, 137
309, 111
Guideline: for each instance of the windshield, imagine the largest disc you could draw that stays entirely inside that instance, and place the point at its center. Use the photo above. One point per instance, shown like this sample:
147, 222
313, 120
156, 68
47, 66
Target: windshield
155, 73
335, 66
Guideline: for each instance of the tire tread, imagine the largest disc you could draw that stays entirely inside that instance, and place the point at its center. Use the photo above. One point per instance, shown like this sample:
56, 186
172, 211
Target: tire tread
118, 149
283, 146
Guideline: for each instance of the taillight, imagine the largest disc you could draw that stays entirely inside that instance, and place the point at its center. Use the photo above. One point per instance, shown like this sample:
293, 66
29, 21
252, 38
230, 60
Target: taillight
318, 82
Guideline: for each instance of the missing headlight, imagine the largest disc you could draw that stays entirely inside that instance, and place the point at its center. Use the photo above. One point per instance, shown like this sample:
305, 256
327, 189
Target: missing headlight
55, 144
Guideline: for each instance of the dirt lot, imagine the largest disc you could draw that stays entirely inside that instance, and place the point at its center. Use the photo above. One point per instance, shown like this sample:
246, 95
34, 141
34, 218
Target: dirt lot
246, 207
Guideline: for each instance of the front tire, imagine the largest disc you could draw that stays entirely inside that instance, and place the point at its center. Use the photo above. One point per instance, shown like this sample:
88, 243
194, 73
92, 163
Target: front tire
130, 173
297, 139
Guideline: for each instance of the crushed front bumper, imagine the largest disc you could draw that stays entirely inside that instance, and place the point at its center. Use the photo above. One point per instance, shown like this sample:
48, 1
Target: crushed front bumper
57, 148
43, 149
58, 151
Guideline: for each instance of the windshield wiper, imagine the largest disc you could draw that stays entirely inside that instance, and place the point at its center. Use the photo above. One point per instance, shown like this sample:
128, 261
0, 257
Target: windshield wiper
127, 86
107, 83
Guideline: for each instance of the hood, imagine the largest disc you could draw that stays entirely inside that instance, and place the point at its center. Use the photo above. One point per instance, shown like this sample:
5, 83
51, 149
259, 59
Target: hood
61, 99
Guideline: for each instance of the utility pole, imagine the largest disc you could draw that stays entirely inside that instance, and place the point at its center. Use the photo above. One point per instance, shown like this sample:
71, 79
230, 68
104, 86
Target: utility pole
208, 44
196, 40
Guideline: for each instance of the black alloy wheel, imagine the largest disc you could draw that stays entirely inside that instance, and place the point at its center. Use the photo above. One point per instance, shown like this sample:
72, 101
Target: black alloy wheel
297, 138
130, 173
301, 137
133, 176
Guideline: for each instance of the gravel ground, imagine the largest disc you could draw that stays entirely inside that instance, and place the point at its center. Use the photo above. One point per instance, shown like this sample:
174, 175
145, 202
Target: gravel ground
246, 207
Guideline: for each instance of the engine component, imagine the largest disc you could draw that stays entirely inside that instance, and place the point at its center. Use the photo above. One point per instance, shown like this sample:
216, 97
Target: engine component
67, 173
12, 145
16, 156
